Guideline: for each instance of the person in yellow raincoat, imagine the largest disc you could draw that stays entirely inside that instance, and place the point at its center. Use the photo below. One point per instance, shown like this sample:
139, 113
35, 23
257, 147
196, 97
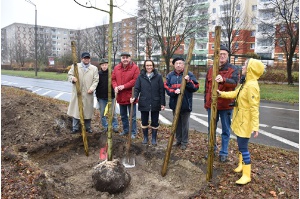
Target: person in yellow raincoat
245, 119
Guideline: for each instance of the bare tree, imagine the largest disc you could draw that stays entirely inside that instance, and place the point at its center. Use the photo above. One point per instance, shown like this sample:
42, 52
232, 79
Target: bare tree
170, 23
117, 42
44, 48
21, 52
99, 41
234, 18
287, 31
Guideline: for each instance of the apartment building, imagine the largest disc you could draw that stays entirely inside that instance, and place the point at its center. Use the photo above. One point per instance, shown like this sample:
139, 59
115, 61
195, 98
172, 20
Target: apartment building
55, 41
19, 38
243, 20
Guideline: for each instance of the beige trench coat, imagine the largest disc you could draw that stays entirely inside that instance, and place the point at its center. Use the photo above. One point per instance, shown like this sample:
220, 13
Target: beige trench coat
88, 80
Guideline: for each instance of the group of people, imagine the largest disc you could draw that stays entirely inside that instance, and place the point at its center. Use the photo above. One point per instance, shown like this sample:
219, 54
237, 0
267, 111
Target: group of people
237, 106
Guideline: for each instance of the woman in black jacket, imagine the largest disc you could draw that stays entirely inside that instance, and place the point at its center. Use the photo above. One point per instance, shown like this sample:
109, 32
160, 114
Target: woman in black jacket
149, 89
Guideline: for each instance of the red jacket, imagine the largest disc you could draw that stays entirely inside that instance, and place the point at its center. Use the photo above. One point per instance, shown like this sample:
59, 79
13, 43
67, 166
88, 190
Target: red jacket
230, 74
127, 77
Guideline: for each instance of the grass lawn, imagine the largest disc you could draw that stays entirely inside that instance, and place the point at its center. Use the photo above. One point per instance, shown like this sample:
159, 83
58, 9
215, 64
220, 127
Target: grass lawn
274, 92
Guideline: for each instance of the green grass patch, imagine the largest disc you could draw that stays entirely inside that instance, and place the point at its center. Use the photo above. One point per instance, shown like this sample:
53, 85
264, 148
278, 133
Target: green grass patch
40, 75
279, 92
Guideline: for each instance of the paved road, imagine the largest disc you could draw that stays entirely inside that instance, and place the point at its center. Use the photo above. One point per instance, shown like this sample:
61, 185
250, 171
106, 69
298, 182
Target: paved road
279, 122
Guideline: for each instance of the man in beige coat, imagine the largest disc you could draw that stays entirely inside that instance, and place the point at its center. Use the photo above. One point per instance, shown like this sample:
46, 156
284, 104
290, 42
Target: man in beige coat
88, 78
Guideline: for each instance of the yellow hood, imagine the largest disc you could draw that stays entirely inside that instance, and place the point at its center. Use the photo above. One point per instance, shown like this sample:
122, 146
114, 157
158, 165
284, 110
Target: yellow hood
255, 69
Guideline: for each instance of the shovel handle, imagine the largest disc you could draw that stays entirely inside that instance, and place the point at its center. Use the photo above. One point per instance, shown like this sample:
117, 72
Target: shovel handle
130, 123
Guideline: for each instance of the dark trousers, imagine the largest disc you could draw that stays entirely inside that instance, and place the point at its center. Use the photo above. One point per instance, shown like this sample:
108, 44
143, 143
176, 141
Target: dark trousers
154, 118
182, 131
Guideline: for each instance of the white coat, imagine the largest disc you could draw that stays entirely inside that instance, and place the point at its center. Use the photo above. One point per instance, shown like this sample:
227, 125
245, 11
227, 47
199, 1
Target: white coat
88, 81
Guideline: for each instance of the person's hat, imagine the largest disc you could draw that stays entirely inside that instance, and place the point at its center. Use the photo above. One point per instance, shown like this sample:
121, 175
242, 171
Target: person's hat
222, 47
103, 61
85, 54
125, 54
177, 59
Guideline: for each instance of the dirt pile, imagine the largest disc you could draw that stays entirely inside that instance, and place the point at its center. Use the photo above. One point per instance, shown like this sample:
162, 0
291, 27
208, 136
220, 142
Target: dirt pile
36, 132
41, 159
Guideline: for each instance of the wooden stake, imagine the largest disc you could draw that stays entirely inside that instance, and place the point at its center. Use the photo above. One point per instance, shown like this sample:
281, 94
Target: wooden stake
213, 113
79, 96
178, 107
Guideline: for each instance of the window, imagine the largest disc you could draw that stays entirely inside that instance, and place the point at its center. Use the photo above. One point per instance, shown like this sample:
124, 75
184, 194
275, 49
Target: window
254, 7
253, 20
213, 46
280, 57
282, 28
213, 34
281, 43
237, 32
236, 45
237, 20
238, 7
213, 22
253, 33
252, 46
214, 10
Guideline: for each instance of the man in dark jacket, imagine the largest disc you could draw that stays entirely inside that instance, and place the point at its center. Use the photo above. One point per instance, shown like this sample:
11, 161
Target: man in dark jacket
102, 96
124, 76
227, 78
172, 86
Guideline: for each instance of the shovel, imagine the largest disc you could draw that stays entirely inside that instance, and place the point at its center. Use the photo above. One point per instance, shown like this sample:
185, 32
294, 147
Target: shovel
128, 161
103, 150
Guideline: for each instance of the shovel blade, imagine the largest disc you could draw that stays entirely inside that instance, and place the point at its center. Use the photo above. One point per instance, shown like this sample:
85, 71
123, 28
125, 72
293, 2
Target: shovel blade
128, 162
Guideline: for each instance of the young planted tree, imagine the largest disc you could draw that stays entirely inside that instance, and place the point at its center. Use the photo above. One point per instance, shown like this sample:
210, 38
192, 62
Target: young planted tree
110, 43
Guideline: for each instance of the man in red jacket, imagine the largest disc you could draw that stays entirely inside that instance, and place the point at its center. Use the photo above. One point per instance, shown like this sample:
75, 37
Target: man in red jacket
227, 79
124, 76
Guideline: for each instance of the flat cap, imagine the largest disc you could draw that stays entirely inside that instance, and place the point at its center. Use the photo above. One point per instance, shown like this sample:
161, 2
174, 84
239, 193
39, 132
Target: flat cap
222, 47
177, 59
85, 54
103, 61
125, 54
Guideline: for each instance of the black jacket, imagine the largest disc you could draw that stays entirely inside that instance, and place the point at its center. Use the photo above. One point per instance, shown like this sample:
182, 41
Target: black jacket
102, 87
151, 92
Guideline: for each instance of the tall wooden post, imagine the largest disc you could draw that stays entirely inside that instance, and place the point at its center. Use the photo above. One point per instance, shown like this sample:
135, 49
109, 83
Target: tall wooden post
79, 96
178, 107
213, 113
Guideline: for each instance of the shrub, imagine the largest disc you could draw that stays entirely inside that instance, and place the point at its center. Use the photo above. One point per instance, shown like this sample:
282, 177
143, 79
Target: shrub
276, 75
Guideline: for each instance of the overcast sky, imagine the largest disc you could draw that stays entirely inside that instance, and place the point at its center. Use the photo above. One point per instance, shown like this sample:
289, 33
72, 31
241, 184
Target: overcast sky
64, 13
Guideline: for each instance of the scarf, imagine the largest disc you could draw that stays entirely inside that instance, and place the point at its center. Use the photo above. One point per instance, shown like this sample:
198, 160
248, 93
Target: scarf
85, 67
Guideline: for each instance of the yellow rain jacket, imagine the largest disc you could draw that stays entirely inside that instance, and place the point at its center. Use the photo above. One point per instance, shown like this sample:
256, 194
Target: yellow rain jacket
245, 117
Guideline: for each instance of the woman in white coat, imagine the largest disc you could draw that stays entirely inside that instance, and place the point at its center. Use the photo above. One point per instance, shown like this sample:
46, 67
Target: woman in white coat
88, 79
245, 119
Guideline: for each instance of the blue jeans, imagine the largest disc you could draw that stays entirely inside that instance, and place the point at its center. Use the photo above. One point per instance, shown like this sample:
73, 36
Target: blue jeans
225, 116
124, 111
102, 104
76, 122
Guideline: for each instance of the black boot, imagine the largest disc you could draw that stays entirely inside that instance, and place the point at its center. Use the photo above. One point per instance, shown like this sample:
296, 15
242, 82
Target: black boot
154, 137
145, 132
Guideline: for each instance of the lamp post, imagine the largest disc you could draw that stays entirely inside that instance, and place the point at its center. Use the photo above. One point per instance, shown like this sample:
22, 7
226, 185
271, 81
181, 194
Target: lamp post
35, 35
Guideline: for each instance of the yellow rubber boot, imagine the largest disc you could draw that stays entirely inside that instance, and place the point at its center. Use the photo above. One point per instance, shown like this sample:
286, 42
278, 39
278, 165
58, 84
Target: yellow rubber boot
246, 175
240, 165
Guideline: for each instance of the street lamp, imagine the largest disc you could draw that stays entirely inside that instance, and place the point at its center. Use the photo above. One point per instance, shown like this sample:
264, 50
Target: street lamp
35, 35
